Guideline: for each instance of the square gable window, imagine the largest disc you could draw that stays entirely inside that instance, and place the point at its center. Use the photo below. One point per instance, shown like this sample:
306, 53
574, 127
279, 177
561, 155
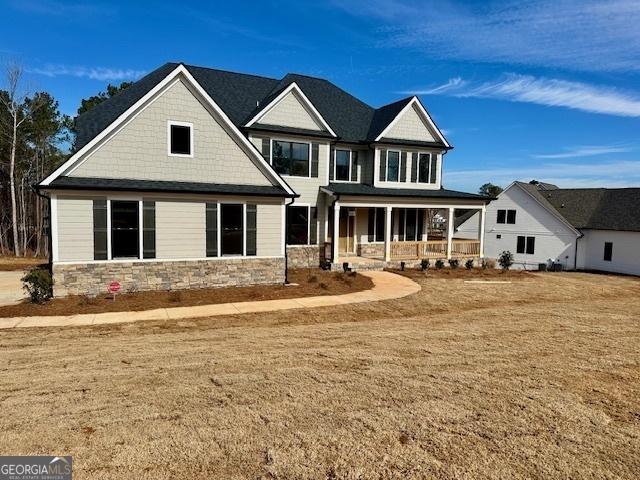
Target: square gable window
180, 139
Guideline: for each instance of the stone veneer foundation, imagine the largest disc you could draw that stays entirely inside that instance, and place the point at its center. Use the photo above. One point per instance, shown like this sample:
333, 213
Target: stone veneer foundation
371, 250
93, 278
302, 256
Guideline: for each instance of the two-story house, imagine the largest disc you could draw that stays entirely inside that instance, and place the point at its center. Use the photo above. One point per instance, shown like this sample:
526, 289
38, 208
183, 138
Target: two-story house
195, 177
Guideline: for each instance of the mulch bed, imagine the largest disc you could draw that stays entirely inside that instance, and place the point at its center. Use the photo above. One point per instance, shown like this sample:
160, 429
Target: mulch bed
463, 273
312, 282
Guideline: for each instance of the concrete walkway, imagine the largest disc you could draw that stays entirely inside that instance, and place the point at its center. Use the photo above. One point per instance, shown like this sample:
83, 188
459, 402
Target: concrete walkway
386, 286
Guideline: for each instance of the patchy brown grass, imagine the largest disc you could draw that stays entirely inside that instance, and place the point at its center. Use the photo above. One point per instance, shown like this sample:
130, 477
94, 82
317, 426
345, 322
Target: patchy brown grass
10, 264
305, 283
538, 378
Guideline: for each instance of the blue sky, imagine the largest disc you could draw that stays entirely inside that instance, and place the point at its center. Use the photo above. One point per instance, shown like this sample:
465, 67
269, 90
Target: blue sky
547, 90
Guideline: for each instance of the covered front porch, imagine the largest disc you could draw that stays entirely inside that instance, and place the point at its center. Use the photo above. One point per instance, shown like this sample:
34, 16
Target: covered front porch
374, 232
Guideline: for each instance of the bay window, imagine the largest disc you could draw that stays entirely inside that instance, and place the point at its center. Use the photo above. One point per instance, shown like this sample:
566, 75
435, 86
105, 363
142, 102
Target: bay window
291, 158
393, 166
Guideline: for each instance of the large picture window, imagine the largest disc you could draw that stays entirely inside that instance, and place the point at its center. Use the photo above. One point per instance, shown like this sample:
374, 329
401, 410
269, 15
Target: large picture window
232, 229
393, 166
125, 229
291, 158
297, 225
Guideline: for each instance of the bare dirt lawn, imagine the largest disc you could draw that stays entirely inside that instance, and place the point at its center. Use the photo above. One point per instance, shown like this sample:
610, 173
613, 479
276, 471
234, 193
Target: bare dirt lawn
9, 264
304, 283
539, 378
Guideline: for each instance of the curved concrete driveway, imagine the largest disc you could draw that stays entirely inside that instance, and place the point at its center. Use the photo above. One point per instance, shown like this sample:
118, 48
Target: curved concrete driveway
386, 286
11, 287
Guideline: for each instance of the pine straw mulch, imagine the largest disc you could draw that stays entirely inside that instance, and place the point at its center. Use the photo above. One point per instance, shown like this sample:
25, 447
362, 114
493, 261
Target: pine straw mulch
310, 282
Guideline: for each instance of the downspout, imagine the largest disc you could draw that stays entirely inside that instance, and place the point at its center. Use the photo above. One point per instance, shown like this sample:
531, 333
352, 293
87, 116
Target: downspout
286, 231
49, 236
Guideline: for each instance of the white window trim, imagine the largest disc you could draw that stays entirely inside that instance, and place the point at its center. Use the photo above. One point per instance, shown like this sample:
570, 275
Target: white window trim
335, 157
171, 123
287, 140
309, 219
386, 173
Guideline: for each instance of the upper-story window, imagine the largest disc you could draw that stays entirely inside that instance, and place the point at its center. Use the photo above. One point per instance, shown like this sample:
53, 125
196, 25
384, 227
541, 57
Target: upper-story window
427, 167
393, 166
344, 166
291, 158
180, 136
506, 216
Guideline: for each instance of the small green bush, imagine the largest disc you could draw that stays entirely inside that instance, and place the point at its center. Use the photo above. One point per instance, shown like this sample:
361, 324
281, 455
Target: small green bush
38, 284
505, 259
439, 264
454, 263
488, 263
425, 264
468, 264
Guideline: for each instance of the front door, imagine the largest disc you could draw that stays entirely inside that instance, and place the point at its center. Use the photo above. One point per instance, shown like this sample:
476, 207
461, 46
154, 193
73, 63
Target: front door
346, 243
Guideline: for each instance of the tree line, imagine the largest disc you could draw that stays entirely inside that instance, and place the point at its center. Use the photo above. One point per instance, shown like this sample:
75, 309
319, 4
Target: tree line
35, 138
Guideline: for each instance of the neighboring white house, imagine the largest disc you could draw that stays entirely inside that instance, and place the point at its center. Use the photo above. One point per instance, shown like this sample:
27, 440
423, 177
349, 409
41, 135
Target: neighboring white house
581, 228
196, 177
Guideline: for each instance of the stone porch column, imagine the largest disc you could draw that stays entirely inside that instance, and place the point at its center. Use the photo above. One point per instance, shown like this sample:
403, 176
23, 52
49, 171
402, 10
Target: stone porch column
387, 234
450, 232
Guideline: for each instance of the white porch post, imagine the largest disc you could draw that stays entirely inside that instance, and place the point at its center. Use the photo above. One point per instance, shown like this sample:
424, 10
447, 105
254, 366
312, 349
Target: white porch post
387, 234
450, 233
483, 213
336, 231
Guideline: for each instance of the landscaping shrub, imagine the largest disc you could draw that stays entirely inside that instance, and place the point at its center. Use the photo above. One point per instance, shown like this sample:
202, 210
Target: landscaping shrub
439, 264
175, 297
488, 263
453, 263
425, 264
505, 259
38, 284
468, 264
312, 279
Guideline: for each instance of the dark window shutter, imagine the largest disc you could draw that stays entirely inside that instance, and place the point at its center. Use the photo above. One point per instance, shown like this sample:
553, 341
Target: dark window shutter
520, 245
252, 219
212, 229
332, 160
266, 149
148, 229
100, 229
414, 167
502, 214
354, 166
313, 226
511, 216
383, 165
371, 227
403, 167
315, 148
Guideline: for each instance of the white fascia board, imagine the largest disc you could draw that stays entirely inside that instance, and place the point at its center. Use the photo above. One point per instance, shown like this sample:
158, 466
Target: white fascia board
284, 93
179, 70
415, 101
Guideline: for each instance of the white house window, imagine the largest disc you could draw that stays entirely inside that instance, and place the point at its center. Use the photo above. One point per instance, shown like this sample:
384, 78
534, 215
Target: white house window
526, 245
301, 225
506, 216
125, 224
180, 139
343, 165
232, 229
291, 158
393, 166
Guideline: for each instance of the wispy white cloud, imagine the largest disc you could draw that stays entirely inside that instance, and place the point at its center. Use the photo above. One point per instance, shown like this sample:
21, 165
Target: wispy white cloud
585, 151
603, 174
544, 91
93, 73
588, 35
70, 10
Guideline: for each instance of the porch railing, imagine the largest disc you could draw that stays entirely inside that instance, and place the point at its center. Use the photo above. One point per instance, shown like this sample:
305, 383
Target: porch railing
434, 249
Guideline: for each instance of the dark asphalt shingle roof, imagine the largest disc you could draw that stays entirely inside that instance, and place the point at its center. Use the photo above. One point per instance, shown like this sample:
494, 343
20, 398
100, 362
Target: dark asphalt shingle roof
593, 208
359, 189
241, 96
79, 183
